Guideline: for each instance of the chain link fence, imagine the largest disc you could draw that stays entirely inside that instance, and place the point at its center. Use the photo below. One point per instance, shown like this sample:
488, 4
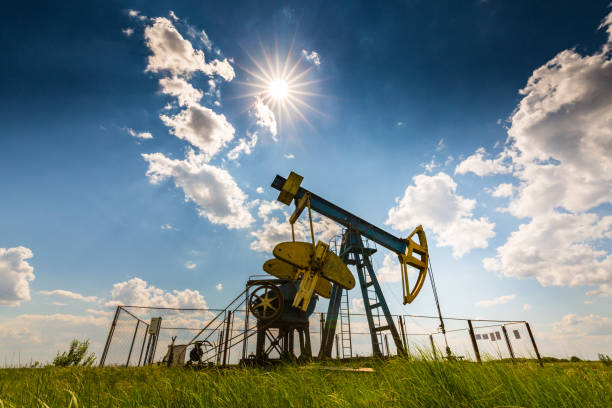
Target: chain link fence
227, 336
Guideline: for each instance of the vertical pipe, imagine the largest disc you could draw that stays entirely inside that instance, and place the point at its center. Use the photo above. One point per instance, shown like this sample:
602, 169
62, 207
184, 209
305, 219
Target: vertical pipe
246, 324
144, 340
387, 345
433, 347
322, 321
337, 348
110, 336
146, 359
535, 347
227, 336
307, 342
127, 363
220, 346
508, 343
474, 343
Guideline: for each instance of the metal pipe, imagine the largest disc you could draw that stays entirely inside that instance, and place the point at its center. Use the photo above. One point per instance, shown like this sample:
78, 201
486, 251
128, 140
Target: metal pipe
227, 334
109, 337
508, 343
127, 363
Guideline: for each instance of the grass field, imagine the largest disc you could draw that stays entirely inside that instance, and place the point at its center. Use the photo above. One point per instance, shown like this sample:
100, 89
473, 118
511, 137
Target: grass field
397, 382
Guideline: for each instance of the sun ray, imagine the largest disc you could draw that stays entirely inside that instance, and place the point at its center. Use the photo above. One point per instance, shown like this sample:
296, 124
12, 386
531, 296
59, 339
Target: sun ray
283, 83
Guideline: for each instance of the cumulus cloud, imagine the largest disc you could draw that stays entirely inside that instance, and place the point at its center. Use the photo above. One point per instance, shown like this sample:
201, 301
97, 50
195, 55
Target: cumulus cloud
433, 202
139, 135
312, 56
15, 275
173, 53
591, 324
212, 189
259, 190
560, 145
128, 31
496, 301
219, 287
190, 265
68, 294
390, 270
172, 15
264, 116
138, 292
203, 128
503, 190
181, 89
245, 145
479, 165
276, 228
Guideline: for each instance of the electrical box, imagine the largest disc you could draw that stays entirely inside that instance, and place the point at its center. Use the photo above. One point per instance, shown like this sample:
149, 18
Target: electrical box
155, 326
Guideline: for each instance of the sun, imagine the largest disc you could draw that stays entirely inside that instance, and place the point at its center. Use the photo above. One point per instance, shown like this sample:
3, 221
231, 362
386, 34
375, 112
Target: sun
278, 89
283, 84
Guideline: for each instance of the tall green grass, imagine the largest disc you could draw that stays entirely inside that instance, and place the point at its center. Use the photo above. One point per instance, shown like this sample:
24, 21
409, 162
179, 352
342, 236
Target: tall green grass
398, 382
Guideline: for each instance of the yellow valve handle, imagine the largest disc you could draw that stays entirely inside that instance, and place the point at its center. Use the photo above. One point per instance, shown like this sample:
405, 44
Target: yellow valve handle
419, 263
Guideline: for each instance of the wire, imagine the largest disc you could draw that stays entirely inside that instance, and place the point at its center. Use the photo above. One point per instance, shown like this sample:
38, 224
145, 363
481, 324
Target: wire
435, 292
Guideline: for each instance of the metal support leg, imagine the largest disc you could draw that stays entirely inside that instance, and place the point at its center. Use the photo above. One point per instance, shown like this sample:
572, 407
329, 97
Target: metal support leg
127, 363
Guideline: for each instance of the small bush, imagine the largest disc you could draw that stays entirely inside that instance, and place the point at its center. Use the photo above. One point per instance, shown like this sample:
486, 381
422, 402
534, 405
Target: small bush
605, 359
575, 359
75, 355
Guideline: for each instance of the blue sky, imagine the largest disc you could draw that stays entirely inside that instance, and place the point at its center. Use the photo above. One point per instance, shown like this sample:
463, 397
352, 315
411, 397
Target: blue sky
121, 181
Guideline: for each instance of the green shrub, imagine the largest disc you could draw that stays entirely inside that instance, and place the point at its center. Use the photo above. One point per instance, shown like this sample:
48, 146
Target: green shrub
605, 359
75, 355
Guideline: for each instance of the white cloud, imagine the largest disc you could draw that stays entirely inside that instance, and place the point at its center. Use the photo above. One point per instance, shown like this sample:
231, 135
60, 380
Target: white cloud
503, 190
259, 190
480, 166
205, 40
68, 294
190, 265
183, 90
203, 128
390, 270
449, 160
429, 167
213, 189
138, 292
133, 13
264, 116
526, 306
496, 301
289, 156
357, 306
128, 31
584, 325
433, 202
173, 53
100, 312
277, 229
15, 275
139, 135
167, 227
560, 145
59, 304
219, 287
400, 124
172, 15
312, 56
245, 145
441, 145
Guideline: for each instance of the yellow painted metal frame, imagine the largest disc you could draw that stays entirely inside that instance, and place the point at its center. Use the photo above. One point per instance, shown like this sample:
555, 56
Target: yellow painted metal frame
420, 263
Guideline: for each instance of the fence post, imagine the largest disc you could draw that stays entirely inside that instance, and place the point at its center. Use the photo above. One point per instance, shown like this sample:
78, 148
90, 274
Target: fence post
322, 321
110, 336
433, 347
227, 336
144, 340
246, 324
508, 343
535, 347
403, 329
127, 363
474, 343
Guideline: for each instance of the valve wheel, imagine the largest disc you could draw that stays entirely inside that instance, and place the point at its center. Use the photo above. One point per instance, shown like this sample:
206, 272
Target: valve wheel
266, 302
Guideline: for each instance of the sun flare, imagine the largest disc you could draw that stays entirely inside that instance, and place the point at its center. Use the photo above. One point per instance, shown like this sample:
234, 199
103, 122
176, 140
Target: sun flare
282, 85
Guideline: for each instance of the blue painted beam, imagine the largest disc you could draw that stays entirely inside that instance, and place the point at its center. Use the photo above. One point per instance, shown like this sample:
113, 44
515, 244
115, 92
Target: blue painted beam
348, 220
